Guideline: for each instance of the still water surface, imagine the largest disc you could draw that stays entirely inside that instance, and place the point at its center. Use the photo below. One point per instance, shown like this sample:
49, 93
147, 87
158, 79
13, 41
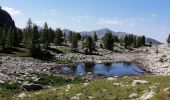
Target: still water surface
109, 69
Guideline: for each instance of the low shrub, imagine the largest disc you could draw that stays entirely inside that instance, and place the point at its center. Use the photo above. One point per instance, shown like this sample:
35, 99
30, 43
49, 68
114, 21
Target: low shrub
53, 80
8, 88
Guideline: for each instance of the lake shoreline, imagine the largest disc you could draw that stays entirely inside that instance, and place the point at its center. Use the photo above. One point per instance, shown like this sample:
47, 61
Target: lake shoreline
20, 68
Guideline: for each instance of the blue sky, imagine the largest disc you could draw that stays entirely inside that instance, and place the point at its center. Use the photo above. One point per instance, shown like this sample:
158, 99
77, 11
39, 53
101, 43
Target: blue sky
141, 17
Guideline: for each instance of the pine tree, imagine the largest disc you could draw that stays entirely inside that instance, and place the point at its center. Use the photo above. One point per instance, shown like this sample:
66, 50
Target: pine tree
75, 38
51, 35
19, 39
143, 40
78, 36
1, 32
108, 41
126, 41
3, 38
69, 36
28, 33
121, 40
130, 39
135, 42
9, 38
139, 41
74, 41
64, 39
89, 45
58, 37
15, 37
36, 48
28, 37
64, 34
116, 39
45, 37
168, 40
83, 37
33, 40
95, 36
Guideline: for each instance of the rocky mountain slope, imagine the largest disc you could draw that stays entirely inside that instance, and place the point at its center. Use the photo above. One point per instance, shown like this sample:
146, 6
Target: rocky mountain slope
102, 32
6, 19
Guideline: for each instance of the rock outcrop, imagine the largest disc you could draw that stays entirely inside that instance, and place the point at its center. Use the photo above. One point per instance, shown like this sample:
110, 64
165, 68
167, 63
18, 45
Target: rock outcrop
6, 19
32, 87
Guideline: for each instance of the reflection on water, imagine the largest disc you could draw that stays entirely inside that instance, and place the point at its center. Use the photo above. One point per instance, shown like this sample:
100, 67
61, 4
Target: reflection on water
109, 69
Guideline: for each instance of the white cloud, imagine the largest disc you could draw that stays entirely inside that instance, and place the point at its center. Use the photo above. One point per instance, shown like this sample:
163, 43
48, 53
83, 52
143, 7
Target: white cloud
11, 11
115, 21
79, 19
127, 22
51, 22
53, 12
131, 22
141, 19
154, 15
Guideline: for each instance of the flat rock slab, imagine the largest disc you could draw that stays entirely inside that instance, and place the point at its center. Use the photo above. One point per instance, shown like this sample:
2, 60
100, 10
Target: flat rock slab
135, 82
147, 95
133, 95
22, 95
111, 78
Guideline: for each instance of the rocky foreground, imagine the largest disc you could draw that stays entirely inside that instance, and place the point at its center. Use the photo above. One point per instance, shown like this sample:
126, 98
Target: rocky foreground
127, 88
155, 60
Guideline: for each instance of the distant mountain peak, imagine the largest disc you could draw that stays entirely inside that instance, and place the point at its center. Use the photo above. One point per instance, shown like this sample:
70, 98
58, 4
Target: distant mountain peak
103, 31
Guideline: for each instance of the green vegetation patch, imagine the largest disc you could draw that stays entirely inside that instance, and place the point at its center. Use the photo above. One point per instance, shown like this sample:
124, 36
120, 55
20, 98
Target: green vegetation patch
17, 52
9, 89
53, 80
118, 89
